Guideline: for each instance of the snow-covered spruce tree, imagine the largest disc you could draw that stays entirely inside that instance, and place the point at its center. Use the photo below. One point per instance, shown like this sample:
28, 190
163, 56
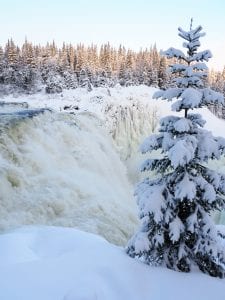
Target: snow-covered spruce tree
177, 230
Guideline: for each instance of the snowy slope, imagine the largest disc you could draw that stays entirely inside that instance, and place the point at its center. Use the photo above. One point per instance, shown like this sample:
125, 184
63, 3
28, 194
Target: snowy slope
50, 263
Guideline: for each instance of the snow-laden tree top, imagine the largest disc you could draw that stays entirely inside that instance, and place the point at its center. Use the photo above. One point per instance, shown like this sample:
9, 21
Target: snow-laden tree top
192, 73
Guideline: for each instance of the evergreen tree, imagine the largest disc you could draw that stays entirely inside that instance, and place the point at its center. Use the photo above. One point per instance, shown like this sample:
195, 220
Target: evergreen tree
63, 59
162, 73
84, 80
70, 80
177, 230
2, 65
11, 53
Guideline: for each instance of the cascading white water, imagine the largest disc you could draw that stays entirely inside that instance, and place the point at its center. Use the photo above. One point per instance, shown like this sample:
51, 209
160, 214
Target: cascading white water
62, 169
75, 169
131, 125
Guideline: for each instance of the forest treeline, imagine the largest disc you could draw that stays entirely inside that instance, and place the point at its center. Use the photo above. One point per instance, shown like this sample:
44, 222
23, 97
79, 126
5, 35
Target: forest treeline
31, 68
28, 67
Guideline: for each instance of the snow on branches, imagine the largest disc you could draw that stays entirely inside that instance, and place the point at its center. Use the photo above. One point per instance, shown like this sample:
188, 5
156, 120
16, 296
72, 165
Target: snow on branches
177, 230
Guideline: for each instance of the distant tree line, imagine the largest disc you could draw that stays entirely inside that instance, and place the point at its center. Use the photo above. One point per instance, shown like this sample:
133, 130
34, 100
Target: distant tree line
30, 67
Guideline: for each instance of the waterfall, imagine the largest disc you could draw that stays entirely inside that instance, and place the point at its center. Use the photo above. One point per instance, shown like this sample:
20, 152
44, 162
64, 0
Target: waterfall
63, 169
78, 168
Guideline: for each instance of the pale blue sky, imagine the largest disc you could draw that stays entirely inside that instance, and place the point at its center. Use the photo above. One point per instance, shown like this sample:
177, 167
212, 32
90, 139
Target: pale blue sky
133, 23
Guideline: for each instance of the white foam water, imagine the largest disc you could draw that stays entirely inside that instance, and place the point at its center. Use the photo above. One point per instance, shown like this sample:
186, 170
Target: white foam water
63, 169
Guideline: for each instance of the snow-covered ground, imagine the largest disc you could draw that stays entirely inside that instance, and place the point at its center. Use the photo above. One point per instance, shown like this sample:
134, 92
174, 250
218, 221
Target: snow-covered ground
75, 167
51, 263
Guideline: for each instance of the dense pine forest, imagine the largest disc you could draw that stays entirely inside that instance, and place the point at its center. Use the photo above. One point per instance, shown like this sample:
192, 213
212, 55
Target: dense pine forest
29, 67
32, 68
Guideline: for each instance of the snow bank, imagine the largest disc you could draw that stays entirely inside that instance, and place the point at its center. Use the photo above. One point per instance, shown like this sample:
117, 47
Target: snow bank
50, 263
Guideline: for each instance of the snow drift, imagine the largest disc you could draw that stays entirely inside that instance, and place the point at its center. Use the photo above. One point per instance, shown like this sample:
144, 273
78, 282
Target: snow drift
46, 263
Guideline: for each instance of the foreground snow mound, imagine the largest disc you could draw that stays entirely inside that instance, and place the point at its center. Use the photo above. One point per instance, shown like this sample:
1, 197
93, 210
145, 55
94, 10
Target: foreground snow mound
53, 263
